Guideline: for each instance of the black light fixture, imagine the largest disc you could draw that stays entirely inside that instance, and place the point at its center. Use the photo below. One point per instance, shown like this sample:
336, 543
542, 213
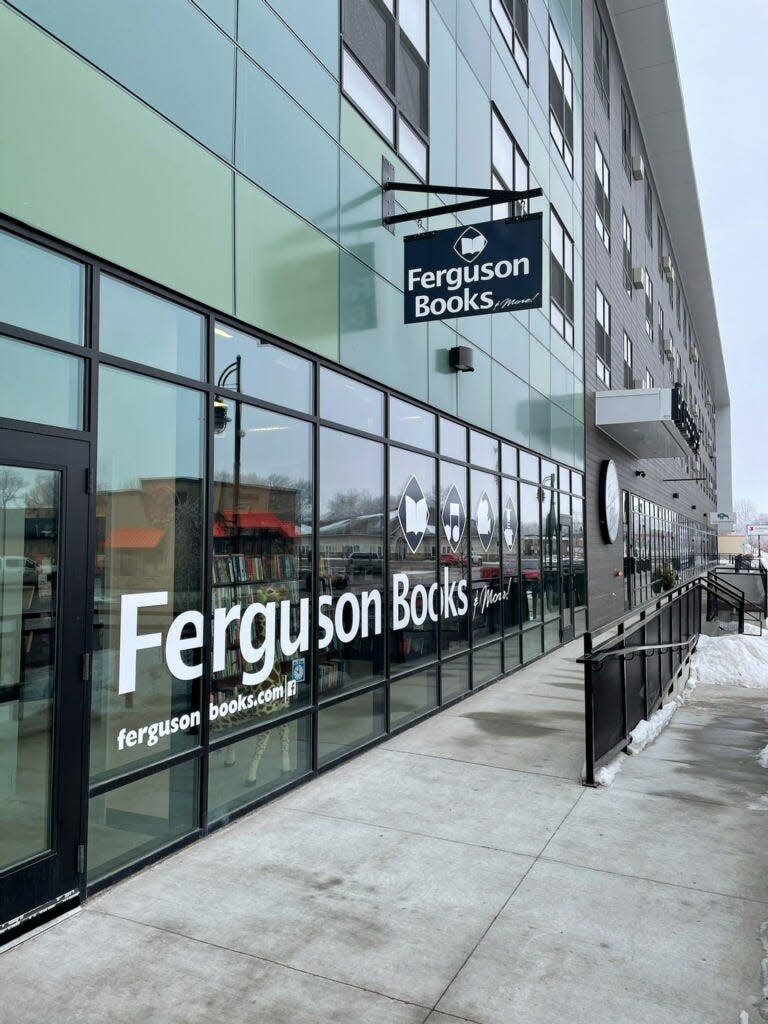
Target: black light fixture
221, 415
461, 358
640, 472
675, 494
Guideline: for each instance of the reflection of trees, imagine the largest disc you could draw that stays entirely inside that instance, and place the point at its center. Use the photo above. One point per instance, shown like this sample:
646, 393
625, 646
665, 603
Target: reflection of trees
350, 504
11, 483
188, 542
44, 492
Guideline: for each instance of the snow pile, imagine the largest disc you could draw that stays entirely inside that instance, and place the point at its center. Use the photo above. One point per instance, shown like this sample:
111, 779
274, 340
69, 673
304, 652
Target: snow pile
731, 661
646, 732
764, 970
604, 776
762, 758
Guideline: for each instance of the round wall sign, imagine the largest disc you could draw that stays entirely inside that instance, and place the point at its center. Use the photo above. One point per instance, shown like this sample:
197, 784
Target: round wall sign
610, 501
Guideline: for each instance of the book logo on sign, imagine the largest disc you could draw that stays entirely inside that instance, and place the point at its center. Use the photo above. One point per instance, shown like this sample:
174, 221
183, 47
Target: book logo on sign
470, 244
413, 513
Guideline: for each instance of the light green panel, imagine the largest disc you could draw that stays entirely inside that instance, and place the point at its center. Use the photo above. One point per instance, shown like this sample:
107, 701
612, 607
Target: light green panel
483, 10
475, 391
510, 406
316, 22
287, 273
443, 381
538, 155
373, 338
361, 231
477, 329
511, 343
561, 350
93, 166
368, 147
447, 11
539, 378
540, 325
474, 129
541, 422
475, 42
442, 104
564, 432
560, 196
561, 385
509, 94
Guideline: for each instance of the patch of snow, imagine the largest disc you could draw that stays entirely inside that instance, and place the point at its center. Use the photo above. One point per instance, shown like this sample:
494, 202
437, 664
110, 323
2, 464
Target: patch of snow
731, 661
762, 758
604, 776
761, 804
764, 970
646, 732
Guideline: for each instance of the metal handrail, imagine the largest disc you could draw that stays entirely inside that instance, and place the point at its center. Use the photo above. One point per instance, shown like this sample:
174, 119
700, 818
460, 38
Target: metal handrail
628, 652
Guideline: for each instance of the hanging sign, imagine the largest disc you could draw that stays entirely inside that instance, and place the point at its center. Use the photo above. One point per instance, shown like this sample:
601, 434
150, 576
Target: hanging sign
467, 271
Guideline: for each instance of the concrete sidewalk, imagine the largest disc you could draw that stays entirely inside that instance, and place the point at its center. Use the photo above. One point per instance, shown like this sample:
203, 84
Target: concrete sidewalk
458, 872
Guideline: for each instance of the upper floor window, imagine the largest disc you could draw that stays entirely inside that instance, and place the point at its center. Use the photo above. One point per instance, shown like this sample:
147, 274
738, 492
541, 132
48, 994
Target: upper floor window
602, 337
560, 278
677, 303
384, 72
629, 381
648, 381
648, 211
626, 231
626, 137
660, 246
602, 198
560, 99
648, 284
601, 62
661, 330
509, 168
512, 18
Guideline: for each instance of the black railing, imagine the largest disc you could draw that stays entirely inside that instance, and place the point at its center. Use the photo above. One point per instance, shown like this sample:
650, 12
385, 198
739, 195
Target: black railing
629, 673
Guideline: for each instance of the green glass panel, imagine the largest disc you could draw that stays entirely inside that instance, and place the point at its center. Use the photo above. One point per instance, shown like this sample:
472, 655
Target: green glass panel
168, 218
475, 42
442, 378
135, 324
302, 169
486, 664
374, 339
368, 147
475, 392
349, 724
511, 342
316, 23
222, 11
254, 367
360, 223
531, 644
412, 696
447, 11
539, 367
512, 653
474, 128
551, 635
178, 62
287, 273
510, 406
135, 820
541, 423
286, 58
40, 385
251, 768
454, 677
40, 290
442, 104
145, 705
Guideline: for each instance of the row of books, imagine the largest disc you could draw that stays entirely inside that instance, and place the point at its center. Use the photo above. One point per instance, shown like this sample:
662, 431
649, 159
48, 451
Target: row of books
240, 568
248, 593
330, 676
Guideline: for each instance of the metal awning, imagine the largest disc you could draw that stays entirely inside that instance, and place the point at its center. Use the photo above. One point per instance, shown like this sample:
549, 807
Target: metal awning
640, 420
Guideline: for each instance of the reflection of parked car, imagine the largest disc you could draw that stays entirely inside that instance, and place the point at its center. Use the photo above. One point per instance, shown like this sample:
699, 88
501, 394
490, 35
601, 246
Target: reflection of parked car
18, 569
360, 562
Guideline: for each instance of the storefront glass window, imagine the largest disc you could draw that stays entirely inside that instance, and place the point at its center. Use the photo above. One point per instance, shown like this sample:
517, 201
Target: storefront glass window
347, 401
509, 460
254, 367
148, 621
414, 594
412, 696
41, 385
551, 574
487, 598
135, 820
350, 724
453, 439
140, 326
352, 542
510, 560
262, 568
454, 677
453, 532
241, 772
411, 425
40, 290
483, 450
530, 551
529, 467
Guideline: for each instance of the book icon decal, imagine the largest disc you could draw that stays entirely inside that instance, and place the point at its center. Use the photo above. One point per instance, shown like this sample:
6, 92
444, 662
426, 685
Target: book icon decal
485, 520
453, 517
413, 514
470, 244
509, 524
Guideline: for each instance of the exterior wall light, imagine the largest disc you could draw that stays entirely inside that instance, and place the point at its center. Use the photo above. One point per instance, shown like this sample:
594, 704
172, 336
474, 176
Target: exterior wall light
460, 358
640, 472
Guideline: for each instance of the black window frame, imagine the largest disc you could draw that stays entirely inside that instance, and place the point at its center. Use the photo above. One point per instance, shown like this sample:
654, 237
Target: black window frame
602, 337
602, 198
516, 24
560, 108
497, 178
626, 136
626, 255
558, 274
602, 61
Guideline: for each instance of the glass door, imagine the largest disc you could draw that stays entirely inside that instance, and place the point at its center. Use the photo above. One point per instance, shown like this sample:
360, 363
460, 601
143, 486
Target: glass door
567, 581
43, 573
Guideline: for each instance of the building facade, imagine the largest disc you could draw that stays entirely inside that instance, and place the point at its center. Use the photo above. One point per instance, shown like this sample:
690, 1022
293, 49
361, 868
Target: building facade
650, 326
251, 521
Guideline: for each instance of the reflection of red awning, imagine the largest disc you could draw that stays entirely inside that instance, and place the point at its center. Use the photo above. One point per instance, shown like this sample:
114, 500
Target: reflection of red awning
134, 537
227, 521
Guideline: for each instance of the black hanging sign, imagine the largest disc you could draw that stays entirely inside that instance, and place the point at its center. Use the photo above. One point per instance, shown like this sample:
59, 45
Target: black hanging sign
467, 271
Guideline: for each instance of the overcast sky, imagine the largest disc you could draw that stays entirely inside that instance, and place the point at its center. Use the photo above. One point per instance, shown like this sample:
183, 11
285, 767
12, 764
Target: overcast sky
721, 55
